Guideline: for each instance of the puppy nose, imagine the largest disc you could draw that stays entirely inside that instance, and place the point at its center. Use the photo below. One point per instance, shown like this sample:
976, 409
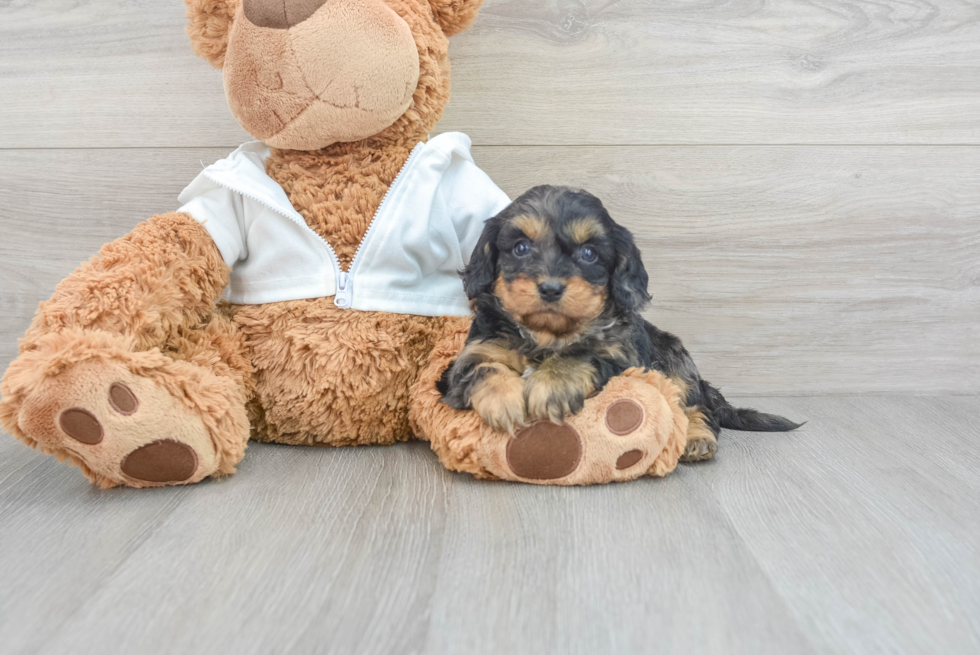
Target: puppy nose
280, 14
551, 291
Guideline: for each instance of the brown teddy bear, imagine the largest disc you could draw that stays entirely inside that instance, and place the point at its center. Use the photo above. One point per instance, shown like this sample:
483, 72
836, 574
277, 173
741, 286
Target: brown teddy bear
306, 292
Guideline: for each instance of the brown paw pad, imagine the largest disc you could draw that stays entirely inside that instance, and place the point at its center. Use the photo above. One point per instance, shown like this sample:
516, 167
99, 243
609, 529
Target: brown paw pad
628, 459
122, 399
81, 425
624, 416
544, 451
161, 461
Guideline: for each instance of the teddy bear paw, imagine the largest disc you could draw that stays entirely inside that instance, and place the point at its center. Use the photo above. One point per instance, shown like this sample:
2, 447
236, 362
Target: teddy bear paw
121, 428
628, 430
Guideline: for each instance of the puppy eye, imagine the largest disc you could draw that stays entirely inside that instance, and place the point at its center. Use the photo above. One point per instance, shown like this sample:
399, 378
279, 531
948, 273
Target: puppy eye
522, 248
588, 254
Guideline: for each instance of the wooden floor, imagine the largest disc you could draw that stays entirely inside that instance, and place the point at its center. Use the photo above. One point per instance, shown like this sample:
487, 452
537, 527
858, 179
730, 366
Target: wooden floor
858, 534
803, 177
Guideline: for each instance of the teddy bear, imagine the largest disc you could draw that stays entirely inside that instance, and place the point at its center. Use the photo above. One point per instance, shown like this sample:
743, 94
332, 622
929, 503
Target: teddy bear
306, 290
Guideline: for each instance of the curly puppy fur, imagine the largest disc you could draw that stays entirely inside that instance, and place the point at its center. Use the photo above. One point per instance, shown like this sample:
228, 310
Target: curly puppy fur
557, 287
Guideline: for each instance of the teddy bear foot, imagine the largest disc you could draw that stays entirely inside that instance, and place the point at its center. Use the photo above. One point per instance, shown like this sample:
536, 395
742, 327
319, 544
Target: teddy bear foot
137, 419
619, 435
634, 427
125, 429
547, 452
544, 451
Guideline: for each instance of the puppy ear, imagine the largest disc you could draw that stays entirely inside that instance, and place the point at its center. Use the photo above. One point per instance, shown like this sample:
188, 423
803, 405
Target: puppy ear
480, 273
454, 16
630, 279
209, 22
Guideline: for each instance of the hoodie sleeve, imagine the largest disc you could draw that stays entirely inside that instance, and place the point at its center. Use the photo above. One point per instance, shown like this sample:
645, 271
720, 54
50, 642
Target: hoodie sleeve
222, 214
470, 198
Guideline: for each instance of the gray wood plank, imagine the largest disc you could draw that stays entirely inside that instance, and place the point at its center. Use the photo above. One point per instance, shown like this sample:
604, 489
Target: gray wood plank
653, 566
865, 520
97, 73
854, 535
785, 269
60, 539
342, 544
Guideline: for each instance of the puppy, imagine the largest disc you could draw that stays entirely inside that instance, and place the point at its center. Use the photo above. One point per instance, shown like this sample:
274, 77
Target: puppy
557, 286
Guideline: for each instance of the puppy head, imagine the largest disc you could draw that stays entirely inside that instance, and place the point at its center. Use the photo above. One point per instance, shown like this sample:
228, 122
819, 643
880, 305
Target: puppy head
556, 260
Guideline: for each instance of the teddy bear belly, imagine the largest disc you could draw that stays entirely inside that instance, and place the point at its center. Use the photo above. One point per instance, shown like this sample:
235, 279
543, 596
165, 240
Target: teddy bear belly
335, 377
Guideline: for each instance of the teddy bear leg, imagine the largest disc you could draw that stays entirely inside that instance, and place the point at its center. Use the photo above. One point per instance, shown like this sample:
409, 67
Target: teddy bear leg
636, 426
138, 419
128, 372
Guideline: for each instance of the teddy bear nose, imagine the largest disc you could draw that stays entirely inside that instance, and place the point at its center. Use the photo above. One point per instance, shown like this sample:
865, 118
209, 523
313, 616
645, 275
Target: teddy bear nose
280, 14
551, 291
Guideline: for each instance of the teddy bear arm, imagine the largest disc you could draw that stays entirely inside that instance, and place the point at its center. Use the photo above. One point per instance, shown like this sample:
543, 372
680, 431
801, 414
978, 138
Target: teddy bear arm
128, 372
165, 274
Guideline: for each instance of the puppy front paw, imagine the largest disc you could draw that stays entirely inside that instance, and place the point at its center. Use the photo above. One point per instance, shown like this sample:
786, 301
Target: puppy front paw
499, 400
551, 398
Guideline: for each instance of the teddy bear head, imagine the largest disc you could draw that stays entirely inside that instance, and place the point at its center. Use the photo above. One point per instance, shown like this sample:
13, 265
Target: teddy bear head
305, 74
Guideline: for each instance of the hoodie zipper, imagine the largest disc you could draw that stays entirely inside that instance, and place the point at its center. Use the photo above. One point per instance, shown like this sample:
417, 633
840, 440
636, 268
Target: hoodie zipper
297, 218
344, 293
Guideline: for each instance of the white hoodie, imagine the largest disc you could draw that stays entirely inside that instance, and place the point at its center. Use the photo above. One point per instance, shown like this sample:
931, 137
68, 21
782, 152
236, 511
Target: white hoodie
421, 236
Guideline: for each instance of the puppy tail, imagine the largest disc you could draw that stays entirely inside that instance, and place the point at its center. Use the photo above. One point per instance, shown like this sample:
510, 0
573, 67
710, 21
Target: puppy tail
743, 418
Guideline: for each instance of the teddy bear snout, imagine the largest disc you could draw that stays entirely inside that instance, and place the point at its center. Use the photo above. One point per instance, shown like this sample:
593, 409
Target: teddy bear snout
279, 14
319, 71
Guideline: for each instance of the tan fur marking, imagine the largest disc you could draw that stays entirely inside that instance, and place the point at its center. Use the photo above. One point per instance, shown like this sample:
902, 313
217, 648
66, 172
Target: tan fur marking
519, 297
499, 398
681, 386
564, 320
494, 352
584, 229
701, 441
550, 323
612, 350
552, 387
582, 300
534, 227
543, 338
697, 424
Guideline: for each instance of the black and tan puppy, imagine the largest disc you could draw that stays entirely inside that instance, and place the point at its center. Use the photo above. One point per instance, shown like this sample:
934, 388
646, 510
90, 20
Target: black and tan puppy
557, 287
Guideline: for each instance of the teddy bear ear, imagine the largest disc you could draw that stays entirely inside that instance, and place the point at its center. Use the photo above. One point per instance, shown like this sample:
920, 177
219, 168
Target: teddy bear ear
454, 16
208, 25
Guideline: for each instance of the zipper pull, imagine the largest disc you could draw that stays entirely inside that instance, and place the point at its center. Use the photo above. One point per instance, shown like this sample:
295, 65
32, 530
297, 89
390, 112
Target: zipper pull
344, 291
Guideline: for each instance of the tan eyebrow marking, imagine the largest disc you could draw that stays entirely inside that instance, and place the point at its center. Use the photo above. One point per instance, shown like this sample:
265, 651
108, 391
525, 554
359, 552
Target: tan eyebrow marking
583, 229
534, 227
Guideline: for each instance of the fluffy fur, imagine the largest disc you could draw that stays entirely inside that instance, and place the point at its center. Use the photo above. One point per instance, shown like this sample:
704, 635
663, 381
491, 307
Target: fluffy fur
144, 305
295, 372
557, 287
208, 24
454, 16
467, 444
145, 314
